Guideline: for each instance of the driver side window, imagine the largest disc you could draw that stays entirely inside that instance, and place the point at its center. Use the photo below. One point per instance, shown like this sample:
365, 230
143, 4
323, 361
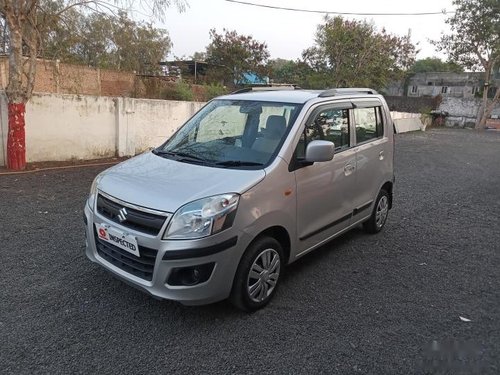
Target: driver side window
329, 124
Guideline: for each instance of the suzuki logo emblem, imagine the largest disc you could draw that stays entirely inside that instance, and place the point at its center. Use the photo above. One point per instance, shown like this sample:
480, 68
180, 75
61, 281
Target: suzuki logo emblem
122, 215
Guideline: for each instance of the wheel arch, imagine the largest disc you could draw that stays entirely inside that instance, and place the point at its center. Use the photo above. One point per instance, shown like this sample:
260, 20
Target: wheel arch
281, 235
388, 186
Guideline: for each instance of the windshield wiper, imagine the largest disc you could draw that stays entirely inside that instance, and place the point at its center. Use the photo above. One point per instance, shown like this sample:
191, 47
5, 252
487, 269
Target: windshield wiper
189, 156
236, 163
180, 156
162, 152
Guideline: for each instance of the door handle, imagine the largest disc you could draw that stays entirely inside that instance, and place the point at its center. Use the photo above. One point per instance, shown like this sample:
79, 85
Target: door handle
381, 155
348, 169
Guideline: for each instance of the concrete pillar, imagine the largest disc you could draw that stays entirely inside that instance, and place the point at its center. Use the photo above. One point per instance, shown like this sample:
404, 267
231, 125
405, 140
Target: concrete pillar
125, 130
57, 75
4, 128
99, 88
3, 74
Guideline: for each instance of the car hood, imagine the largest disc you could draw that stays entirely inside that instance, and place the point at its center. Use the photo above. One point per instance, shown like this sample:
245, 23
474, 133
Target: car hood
163, 184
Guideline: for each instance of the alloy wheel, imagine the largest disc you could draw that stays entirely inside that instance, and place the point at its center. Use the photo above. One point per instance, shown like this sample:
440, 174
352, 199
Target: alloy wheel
382, 211
263, 275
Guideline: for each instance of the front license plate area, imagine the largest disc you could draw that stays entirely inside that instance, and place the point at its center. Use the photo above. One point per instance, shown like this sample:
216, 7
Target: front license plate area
118, 238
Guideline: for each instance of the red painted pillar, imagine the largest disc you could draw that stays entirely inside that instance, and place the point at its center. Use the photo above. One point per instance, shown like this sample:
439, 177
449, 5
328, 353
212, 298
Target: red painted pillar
16, 140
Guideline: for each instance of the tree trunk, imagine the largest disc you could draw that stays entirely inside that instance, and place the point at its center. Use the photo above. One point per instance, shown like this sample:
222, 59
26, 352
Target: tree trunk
481, 116
16, 93
488, 109
481, 119
16, 144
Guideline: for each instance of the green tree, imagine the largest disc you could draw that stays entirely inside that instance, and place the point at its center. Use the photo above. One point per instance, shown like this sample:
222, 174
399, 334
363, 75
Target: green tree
233, 54
106, 41
435, 64
94, 43
354, 53
199, 56
474, 42
288, 71
26, 22
59, 37
138, 46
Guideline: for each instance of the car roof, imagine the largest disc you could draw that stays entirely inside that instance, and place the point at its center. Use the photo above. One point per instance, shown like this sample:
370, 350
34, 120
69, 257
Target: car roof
297, 96
282, 96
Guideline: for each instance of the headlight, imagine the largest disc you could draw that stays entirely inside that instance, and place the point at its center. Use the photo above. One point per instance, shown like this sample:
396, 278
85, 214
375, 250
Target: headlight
203, 217
93, 192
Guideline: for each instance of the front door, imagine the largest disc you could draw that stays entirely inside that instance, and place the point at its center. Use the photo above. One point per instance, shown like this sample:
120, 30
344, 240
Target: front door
325, 189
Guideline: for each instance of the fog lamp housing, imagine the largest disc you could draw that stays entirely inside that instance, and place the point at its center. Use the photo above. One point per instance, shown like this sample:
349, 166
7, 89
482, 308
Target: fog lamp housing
190, 276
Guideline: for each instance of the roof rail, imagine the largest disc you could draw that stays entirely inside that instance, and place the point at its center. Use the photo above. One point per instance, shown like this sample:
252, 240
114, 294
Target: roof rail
266, 88
347, 91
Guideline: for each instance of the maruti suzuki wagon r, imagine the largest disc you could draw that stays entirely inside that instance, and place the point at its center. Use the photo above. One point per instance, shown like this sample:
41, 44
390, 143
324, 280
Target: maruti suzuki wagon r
248, 185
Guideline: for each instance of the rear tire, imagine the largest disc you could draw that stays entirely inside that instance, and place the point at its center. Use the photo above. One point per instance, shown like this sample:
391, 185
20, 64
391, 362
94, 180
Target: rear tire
258, 274
379, 214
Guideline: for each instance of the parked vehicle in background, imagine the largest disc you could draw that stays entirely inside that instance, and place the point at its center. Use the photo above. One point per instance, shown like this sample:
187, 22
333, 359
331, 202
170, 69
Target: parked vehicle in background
249, 184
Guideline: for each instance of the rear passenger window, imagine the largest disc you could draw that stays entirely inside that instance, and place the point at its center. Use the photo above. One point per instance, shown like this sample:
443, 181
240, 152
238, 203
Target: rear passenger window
369, 124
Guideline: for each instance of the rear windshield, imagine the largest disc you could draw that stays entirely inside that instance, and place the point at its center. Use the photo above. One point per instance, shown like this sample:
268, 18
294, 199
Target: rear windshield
233, 134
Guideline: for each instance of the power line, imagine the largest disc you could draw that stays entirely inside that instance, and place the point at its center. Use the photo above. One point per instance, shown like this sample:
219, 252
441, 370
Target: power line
338, 13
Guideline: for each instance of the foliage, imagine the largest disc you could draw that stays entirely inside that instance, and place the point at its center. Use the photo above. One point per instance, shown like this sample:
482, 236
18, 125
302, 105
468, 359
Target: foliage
434, 64
171, 91
233, 54
214, 90
106, 41
474, 42
84, 31
354, 53
475, 33
289, 71
199, 56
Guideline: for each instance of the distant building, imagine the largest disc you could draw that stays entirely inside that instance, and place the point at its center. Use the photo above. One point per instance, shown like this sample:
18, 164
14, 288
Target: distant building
394, 88
460, 85
192, 70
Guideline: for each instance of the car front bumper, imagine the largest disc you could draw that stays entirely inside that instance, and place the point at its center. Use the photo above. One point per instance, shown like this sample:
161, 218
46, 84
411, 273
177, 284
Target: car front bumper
222, 251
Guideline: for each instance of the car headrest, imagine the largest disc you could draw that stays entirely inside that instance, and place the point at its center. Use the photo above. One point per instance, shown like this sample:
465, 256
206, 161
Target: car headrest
275, 126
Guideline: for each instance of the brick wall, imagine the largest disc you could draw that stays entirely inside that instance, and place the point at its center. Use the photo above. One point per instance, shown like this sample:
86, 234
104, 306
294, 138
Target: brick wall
60, 78
45, 79
75, 79
117, 83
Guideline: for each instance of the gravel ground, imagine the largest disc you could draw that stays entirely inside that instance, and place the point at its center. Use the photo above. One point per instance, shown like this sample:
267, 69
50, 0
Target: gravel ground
384, 304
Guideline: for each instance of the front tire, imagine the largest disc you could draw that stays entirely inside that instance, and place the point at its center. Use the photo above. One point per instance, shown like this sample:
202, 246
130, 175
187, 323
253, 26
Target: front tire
379, 214
258, 274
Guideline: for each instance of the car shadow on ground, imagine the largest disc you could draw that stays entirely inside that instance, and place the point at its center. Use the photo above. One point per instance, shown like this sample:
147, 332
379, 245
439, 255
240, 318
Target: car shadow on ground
301, 269
150, 307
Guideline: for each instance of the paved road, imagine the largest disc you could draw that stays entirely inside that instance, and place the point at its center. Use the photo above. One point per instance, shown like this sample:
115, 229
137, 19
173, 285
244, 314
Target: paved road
384, 304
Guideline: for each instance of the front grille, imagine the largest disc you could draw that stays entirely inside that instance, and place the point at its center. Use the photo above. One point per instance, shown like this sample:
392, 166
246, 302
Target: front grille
141, 221
142, 266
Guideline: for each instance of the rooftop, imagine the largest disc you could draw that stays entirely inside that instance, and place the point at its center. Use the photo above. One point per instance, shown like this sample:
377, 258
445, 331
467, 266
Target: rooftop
290, 95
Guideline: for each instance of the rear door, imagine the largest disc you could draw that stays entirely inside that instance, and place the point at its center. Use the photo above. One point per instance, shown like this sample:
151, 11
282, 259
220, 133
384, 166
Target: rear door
373, 154
325, 189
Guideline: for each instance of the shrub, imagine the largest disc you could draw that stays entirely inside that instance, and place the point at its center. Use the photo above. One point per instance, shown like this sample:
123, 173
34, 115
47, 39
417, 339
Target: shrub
183, 92
214, 90
175, 91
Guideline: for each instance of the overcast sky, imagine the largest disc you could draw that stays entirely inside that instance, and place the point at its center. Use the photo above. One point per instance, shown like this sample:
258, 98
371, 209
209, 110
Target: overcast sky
288, 33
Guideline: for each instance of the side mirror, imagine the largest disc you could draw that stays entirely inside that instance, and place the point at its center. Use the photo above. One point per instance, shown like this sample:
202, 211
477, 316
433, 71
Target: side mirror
318, 151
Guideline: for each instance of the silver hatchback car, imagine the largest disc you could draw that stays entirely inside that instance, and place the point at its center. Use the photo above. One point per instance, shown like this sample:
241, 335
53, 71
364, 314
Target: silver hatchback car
249, 184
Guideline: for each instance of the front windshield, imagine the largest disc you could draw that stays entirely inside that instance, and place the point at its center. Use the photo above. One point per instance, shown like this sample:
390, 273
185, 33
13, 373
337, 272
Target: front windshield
232, 134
